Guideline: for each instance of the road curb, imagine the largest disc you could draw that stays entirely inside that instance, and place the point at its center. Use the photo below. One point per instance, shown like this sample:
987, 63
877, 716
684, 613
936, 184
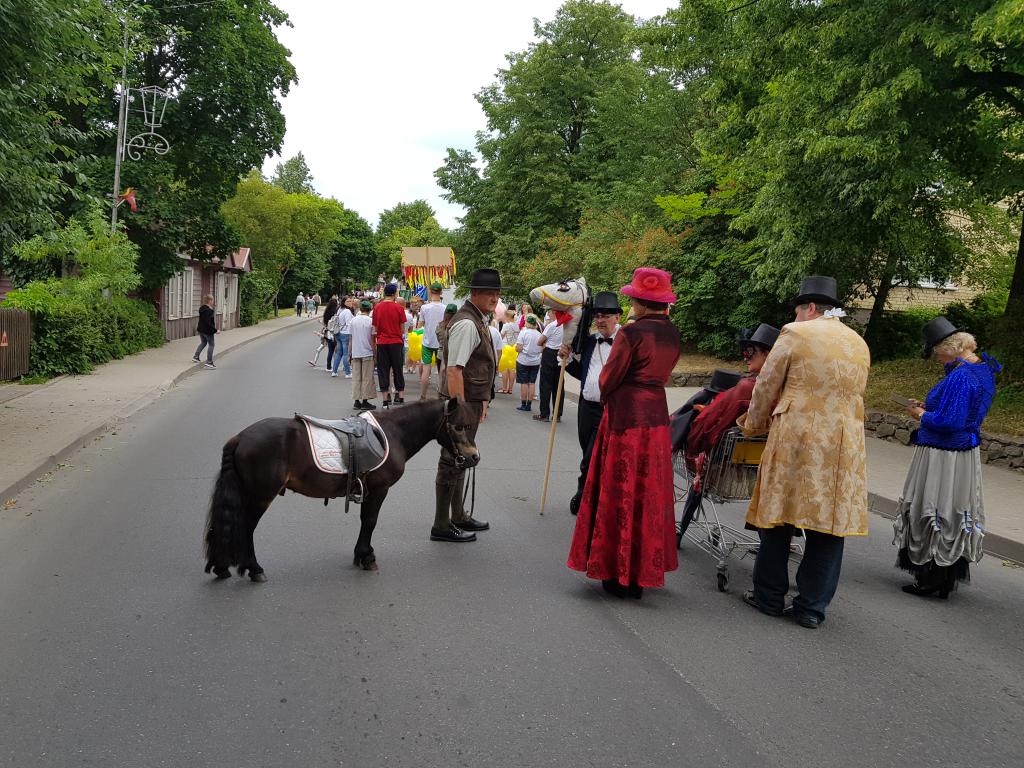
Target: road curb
82, 439
993, 544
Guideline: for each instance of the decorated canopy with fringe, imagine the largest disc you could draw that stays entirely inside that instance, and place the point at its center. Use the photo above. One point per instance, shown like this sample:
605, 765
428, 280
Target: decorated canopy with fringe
422, 266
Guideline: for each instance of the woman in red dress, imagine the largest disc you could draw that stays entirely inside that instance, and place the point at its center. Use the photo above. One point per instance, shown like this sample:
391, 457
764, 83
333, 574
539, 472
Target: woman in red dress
625, 529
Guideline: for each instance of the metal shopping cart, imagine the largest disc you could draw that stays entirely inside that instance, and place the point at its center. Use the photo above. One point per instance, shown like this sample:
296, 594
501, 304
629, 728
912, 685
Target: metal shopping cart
727, 474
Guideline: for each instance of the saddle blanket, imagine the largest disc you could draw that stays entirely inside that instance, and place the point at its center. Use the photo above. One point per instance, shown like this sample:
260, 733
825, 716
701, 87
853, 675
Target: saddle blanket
326, 447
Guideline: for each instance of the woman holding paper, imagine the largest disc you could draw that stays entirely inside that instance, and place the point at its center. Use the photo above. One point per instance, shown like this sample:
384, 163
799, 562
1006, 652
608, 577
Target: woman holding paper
940, 522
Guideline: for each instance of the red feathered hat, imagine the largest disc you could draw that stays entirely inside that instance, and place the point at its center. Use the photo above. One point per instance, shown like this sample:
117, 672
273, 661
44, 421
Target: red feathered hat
650, 284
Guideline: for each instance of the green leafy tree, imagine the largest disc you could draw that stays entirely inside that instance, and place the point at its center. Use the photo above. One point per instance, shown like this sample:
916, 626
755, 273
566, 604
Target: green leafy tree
56, 58
293, 175
227, 72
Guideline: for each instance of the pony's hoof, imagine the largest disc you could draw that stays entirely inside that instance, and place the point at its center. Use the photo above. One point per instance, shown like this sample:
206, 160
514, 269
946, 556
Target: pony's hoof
258, 578
370, 566
222, 573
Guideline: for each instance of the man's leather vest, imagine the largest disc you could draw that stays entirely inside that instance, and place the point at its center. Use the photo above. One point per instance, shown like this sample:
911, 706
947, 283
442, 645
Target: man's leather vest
478, 373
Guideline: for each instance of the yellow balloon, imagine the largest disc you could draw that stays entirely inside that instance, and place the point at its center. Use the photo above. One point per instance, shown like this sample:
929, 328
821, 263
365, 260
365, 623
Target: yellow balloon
415, 347
508, 358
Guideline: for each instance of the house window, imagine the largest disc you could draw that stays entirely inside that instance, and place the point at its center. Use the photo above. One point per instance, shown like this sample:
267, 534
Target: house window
937, 285
232, 298
178, 294
218, 293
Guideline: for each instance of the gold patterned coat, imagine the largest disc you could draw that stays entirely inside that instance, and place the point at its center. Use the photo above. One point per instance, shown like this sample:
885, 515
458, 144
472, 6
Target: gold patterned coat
811, 393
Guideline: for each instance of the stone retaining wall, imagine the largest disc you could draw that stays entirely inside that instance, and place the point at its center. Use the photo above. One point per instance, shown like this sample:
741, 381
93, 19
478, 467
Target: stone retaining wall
998, 450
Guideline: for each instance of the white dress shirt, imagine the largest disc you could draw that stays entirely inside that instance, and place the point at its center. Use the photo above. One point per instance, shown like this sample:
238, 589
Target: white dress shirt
592, 387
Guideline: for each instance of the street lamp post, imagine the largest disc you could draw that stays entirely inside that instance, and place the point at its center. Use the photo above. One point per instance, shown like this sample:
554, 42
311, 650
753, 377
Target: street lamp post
154, 104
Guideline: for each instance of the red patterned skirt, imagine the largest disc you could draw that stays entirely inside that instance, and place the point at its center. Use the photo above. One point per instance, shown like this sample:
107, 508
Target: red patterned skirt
625, 529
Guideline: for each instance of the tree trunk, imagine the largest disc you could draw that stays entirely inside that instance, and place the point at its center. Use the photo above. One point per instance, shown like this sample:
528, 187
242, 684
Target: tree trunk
1015, 304
881, 297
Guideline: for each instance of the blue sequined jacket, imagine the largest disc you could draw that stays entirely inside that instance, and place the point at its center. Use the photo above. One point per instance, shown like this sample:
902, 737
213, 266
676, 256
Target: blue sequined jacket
957, 405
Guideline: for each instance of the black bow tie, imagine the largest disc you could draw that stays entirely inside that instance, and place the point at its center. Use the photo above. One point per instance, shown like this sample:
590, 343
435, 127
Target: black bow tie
603, 340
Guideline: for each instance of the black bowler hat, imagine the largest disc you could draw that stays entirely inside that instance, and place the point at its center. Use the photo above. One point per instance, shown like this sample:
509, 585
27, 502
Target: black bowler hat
722, 380
764, 336
935, 331
819, 289
485, 280
606, 301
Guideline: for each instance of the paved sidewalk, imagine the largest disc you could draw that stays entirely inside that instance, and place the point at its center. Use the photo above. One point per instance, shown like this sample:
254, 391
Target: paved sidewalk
887, 469
41, 427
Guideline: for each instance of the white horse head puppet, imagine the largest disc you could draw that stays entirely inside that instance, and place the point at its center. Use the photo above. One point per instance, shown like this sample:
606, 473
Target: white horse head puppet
570, 300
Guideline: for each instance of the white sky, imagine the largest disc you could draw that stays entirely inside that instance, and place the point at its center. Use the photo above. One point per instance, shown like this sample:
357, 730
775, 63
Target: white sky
385, 87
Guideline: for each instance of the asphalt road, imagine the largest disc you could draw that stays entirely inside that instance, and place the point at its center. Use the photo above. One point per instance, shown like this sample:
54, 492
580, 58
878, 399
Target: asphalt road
116, 649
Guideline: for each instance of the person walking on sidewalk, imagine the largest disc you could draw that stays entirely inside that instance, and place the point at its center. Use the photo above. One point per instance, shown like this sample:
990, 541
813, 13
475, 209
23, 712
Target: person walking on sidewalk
389, 321
360, 353
940, 520
625, 531
812, 476
300, 304
342, 338
551, 342
431, 315
587, 367
206, 329
470, 367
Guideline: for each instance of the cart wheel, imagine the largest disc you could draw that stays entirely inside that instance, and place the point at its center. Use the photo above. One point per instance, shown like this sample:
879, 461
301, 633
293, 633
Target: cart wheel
723, 581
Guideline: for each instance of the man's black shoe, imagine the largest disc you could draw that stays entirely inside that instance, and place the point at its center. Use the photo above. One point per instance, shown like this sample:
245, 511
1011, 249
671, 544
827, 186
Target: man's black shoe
472, 524
358, 406
749, 599
808, 620
451, 534
368, 406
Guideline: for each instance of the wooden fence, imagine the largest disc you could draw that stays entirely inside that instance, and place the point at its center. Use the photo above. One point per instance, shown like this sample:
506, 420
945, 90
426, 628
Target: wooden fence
15, 340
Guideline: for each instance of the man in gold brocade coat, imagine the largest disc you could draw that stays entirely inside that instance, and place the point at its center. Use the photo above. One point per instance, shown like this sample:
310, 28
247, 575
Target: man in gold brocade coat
812, 474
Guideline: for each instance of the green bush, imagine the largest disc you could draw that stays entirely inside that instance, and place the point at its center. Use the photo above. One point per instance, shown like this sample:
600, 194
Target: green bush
979, 317
898, 334
72, 338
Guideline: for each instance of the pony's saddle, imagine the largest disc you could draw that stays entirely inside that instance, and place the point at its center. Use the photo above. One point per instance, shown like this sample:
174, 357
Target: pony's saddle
353, 446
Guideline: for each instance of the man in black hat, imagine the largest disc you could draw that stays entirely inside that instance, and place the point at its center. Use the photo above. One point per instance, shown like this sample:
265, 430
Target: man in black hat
470, 367
682, 419
721, 413
812, 474
587, 368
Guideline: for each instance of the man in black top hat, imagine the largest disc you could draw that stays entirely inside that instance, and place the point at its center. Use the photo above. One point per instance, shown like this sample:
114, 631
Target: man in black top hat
587, 367
682, 418
470, 367
720, 414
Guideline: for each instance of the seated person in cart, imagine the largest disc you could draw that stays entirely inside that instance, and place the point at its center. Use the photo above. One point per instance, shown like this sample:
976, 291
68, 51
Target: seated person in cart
721, 413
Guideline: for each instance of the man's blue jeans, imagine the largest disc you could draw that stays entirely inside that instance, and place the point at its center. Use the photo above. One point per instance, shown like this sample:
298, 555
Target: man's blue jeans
816, 578
341, 352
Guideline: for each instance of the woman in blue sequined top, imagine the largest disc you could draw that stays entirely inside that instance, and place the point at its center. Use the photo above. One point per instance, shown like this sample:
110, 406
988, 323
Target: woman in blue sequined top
940, 524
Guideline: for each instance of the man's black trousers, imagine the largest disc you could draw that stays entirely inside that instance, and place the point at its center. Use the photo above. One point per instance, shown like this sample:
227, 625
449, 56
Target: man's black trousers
588, 420
549, 383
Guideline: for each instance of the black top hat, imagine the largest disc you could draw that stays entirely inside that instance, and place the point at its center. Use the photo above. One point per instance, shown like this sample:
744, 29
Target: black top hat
485, 280
606, 301
819, 289
764, 336
722, 380
935, 331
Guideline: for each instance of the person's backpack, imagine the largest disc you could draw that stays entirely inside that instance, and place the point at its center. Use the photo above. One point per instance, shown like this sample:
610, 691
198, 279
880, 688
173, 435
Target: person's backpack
334, 324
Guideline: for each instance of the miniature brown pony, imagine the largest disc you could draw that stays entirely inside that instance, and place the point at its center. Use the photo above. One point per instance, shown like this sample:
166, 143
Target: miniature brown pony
273, 455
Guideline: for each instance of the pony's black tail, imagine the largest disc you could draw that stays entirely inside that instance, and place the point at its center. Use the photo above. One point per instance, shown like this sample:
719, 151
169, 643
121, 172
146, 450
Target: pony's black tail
223, 533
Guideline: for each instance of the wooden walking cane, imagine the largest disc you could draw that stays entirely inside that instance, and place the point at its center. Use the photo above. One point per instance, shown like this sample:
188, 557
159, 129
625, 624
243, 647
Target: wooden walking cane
554, 424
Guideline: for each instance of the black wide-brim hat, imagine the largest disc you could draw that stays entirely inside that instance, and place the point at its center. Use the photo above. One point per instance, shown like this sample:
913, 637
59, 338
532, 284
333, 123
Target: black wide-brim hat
935, 331
485, 280
819, 289
723, 379
606, 301
764, 336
